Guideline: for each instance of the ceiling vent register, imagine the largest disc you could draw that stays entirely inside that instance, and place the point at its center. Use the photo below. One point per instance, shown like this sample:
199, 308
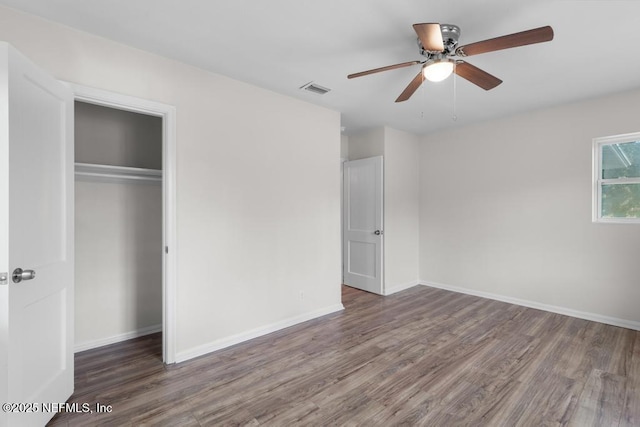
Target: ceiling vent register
317, 89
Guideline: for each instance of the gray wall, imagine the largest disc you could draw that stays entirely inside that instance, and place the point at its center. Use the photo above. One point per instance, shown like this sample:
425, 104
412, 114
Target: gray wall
118, 261
108, 136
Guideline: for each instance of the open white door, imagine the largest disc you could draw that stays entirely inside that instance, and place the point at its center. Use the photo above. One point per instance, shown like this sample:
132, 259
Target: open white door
36, 235
363, 234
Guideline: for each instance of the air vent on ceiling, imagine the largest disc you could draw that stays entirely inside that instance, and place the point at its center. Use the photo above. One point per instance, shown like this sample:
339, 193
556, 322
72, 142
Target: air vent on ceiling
312, 87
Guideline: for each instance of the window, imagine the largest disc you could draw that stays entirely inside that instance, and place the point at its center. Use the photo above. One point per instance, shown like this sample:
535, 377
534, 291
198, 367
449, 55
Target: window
616, 177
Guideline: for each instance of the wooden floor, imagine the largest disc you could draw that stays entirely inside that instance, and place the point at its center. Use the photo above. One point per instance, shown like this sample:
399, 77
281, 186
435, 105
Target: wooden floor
421, 357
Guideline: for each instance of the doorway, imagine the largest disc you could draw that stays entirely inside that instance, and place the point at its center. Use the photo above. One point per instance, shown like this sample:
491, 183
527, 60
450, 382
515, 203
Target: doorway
363, 235
141, 179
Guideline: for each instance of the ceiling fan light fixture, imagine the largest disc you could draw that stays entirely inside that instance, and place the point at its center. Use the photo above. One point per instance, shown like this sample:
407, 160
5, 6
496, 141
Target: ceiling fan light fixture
438, 70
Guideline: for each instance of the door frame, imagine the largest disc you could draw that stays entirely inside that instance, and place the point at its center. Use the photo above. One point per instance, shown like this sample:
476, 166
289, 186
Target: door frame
342, 160
169, 259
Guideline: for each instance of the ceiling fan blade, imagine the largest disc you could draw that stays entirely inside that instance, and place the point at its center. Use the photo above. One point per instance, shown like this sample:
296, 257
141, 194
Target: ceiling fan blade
430, 36
476, 76
378, 70
537, 35
411, 88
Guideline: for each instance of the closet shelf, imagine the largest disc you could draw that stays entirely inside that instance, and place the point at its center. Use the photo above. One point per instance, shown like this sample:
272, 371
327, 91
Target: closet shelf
106, 173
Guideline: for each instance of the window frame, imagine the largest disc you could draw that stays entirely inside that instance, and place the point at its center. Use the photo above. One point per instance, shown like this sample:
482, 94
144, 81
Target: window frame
598, 181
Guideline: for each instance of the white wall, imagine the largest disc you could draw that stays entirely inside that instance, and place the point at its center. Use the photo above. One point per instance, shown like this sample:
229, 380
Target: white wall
258, 233
344, 146
401, 210
506, 210
366, 144
401, 200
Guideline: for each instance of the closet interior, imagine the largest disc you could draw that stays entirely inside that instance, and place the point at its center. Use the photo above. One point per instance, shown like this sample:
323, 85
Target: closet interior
118, 225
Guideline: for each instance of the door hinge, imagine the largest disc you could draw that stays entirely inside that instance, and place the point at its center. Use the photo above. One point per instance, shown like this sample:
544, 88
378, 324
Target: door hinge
4, 278
166, 249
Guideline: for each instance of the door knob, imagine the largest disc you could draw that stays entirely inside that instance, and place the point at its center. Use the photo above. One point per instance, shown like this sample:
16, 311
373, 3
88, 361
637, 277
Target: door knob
377, 232
19, 275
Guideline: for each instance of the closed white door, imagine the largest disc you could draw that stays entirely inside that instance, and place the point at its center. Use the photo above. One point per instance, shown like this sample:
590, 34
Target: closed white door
36, 235
363, 233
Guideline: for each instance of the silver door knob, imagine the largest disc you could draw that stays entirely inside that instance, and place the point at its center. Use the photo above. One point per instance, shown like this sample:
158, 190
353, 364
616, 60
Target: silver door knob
19, 275
377, 232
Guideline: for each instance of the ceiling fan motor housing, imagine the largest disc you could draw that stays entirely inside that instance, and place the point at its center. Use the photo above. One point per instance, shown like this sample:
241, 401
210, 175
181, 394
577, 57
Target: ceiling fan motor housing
450, 36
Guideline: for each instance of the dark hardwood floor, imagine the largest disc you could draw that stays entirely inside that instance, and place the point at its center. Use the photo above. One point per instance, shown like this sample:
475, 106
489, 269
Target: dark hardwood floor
420, 357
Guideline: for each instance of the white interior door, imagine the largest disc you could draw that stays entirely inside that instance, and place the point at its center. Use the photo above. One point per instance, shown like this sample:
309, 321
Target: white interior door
36, 234
363, 233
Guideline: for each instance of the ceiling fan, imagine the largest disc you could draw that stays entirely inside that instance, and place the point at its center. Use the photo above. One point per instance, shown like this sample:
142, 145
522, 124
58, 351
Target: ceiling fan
438, 43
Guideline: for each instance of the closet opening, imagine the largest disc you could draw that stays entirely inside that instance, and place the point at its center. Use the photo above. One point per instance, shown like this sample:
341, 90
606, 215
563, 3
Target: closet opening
124, 220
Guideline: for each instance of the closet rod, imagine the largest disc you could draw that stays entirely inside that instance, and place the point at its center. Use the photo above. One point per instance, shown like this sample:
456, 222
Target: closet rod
108, 173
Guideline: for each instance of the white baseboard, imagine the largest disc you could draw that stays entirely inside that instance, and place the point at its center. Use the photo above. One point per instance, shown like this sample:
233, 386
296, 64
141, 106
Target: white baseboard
401, 287
623, 323
88, 345
254, 333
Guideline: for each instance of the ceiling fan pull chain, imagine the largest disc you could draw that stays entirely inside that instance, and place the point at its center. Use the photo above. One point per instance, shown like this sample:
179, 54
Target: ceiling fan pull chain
422, 102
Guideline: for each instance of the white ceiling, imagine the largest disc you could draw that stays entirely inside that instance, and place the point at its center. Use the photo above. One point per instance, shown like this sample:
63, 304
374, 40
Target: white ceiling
283, 44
